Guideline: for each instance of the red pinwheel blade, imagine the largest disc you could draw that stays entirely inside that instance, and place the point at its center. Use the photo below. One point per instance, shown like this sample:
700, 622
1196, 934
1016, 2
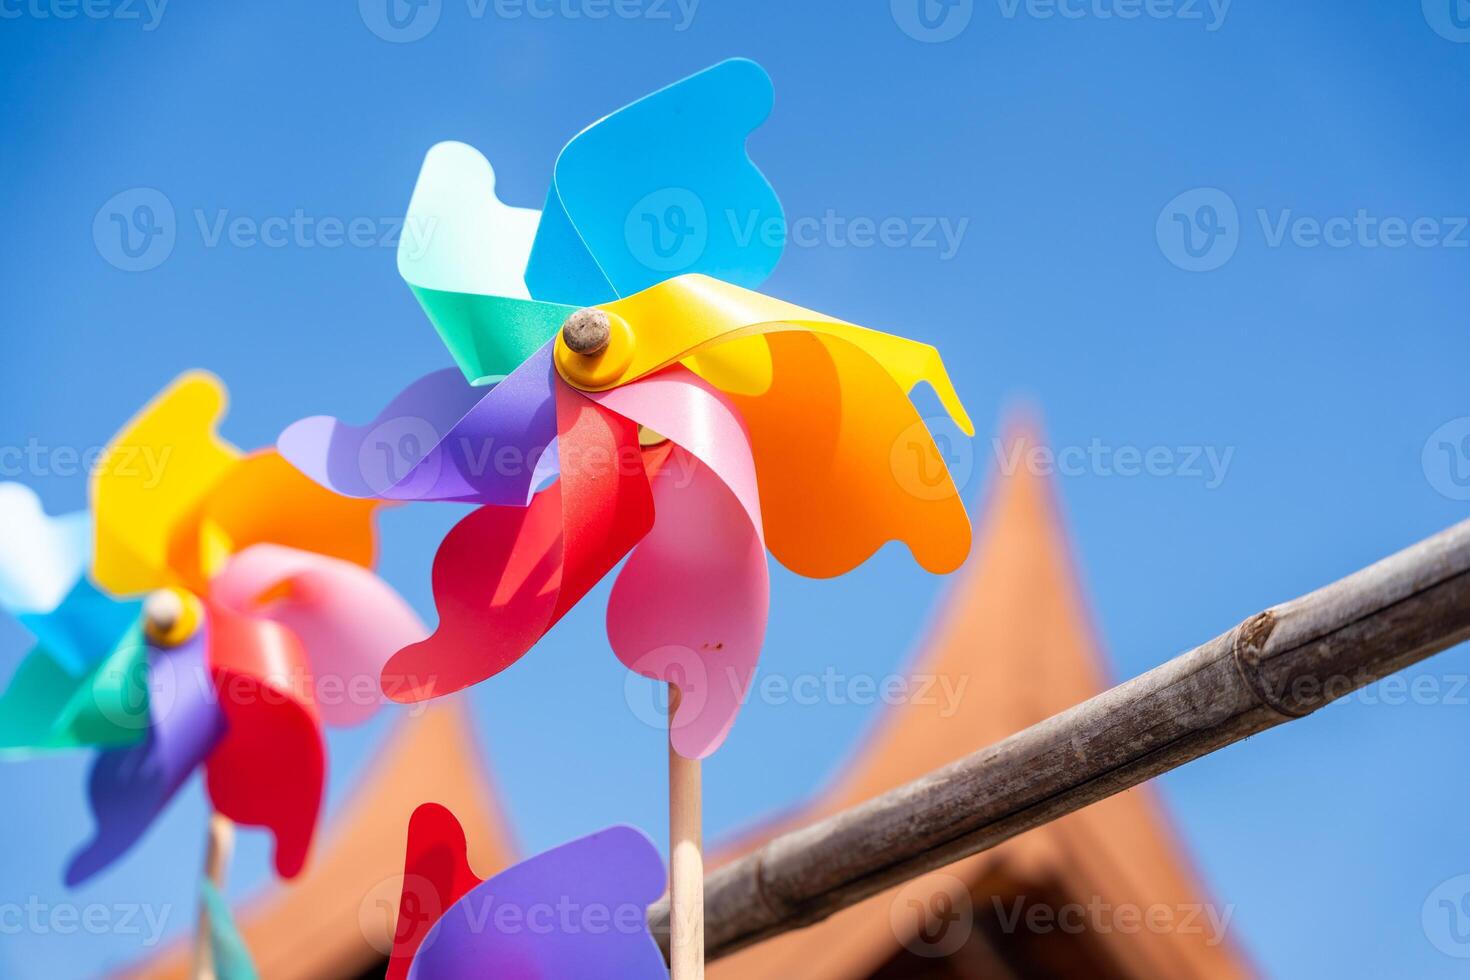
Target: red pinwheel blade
505, 575
269, 768
436, 874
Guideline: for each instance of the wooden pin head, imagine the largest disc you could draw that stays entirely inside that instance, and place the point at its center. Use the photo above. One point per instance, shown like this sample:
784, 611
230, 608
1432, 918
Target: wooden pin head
170, 617
587, 332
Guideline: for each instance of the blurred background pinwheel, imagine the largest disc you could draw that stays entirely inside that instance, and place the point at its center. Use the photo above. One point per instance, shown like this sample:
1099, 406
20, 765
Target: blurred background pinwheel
233, 612
577, 910
646, 403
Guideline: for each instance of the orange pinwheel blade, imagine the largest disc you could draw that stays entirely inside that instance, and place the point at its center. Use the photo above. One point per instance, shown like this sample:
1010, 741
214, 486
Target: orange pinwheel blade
844, 461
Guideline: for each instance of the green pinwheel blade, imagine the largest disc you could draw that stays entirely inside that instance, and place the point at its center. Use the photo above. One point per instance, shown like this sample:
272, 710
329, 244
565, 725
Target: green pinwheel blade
230, 956
46, 707
490, 336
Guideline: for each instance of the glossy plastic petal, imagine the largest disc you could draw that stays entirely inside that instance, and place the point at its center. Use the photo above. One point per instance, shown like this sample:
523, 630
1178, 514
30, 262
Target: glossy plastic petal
436, 874
228, 954
41, 557
85, 628
844, 460
348, 620
151, 477
661, 187
464, 254
693, 314
575, 912
130, 787
264, 499
846, 464
690, 606
505, 575
269, 768
52, 704
439, 439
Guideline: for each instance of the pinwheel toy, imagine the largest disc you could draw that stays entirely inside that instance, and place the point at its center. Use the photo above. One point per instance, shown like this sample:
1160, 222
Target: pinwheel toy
645, 403
576, 911
261, 621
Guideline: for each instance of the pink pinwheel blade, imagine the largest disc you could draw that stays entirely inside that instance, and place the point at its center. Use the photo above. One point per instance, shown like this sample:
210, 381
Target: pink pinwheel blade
690, 607
348, 620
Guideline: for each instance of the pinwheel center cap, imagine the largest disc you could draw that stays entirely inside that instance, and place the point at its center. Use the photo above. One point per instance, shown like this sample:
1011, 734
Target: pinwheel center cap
171, 617
594, 349
587, 332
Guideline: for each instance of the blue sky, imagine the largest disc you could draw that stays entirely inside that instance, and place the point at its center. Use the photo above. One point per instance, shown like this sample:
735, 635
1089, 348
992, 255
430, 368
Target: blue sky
1237, 228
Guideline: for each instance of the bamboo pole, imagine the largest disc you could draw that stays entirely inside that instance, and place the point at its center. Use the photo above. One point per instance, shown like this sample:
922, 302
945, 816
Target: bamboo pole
1275, 667
686, 860
218, 847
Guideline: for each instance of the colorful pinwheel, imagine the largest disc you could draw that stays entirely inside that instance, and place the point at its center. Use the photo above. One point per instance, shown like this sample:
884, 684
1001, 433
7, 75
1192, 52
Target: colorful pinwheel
645, 402
261, 621
576, 911
743, 422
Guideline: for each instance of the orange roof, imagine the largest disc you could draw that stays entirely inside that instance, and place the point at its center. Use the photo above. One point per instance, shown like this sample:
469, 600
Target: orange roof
337, 918
1016, 633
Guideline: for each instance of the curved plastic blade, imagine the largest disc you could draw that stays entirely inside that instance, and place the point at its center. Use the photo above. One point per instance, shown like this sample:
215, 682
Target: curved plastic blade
439, 439
505, 575
464, 254
41, 557
662, 187
151, 476
844, 461
436, 874
348, 620
690, 606
270, 766
130, 787
577, 911
228, 953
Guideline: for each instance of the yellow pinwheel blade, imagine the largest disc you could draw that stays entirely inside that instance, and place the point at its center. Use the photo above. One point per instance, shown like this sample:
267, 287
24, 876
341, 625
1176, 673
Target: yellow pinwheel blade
843, 459
173, 501
151, 477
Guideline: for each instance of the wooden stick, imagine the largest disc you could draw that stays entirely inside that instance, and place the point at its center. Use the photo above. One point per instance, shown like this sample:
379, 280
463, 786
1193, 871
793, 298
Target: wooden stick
1277, 666
218, 847
686, 861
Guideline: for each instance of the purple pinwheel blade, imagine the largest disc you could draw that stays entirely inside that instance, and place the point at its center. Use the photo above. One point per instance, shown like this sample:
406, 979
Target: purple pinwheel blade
576, 912
440, 439
129, 787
